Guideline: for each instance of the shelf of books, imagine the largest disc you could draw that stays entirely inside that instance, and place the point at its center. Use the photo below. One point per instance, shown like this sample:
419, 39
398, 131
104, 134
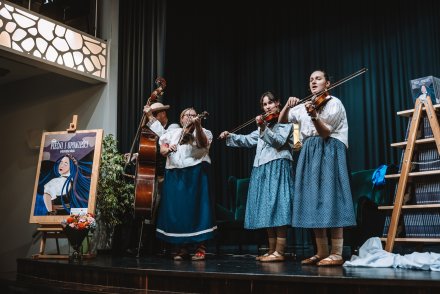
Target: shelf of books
414, 215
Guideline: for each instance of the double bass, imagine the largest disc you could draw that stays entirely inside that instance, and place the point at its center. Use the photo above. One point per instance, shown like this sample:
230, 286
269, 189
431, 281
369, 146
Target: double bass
145, 177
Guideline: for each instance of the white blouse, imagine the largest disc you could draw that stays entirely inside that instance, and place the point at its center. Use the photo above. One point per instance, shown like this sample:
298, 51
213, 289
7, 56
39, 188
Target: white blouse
54, 187
272, 144
158, 128
333, 116
186, 154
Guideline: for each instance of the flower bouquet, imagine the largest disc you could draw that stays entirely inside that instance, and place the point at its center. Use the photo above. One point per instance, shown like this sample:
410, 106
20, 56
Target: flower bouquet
76, 227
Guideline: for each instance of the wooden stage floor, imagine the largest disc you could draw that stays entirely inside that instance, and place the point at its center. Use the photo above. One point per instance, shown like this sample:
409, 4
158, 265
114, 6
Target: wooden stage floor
218, 274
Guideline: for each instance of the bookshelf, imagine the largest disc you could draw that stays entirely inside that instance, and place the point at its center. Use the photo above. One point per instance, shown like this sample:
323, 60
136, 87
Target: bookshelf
415, 214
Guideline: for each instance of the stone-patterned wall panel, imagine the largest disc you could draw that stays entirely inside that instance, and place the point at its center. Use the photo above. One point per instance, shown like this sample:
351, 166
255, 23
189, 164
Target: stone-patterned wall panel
27, 32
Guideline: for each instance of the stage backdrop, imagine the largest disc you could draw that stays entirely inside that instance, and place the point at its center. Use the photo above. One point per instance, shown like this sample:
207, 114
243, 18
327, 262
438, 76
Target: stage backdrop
220, 56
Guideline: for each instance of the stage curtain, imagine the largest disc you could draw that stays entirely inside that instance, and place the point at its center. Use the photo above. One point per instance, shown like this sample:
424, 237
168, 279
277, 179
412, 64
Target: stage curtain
142, 33
222, 55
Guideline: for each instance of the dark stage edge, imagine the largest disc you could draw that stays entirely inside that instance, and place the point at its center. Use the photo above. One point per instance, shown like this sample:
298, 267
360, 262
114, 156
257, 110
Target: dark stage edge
218, 274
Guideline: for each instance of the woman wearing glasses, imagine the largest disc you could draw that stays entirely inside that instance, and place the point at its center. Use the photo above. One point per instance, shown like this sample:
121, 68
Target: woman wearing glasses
185, 213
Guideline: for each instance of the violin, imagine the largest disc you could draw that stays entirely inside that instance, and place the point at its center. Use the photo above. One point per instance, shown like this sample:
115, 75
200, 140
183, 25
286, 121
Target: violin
321, 100
270, 116
185, 137
267, 117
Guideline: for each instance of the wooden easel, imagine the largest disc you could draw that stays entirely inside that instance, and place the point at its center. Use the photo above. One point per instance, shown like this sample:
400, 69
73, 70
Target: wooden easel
420, 105
55, 231
72, 125
51, 231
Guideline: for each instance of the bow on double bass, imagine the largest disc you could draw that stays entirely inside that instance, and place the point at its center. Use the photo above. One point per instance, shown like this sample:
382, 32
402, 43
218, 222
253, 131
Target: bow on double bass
145, 177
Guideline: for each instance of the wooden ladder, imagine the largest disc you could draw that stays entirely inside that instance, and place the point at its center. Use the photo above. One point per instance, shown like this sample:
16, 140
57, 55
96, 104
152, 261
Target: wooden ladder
420, 105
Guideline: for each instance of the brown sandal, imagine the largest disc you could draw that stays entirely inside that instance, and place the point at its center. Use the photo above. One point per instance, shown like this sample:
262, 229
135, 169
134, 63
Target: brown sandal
311, 260
273, 257
181, 255
264, 255
331, 260
200, 253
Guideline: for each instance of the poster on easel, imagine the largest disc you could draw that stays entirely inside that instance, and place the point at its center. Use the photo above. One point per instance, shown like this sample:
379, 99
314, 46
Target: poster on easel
67, 175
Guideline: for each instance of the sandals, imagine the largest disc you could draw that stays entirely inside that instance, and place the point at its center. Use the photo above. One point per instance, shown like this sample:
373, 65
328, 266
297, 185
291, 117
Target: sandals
311, 260
264, 255
198, 256
273, 257
181, 255
200, 253
331, 260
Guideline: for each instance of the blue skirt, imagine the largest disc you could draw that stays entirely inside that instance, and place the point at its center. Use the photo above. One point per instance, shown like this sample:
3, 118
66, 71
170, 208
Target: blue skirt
185, 213
322, 196
270, 195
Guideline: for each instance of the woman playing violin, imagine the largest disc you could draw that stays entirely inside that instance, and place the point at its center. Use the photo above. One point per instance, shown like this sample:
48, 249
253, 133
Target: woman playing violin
322, 197
270, 195
185, 214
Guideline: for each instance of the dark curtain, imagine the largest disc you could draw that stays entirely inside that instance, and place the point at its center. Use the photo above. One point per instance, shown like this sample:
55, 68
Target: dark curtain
141, 61
222, 55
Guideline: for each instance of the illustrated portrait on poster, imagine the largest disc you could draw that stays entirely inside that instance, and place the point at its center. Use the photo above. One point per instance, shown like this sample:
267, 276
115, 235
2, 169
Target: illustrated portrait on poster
427, 86
67, 175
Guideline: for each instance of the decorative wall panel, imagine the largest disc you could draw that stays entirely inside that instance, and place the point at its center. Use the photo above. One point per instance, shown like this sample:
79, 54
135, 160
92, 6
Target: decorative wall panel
29, 33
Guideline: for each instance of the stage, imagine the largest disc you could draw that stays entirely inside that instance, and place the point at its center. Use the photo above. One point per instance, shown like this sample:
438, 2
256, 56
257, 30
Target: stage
221, 273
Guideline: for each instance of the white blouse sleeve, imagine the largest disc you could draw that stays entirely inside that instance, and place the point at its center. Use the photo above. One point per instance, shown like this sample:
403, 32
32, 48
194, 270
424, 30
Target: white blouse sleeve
293, 115
333, 115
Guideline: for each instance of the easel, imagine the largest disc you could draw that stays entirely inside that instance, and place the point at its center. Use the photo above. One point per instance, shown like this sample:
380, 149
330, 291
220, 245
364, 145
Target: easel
52, 231
420, 105
55, 231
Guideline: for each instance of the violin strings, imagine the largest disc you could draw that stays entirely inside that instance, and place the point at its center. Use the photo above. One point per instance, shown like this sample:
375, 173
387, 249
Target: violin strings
264, 115
338, 83
242, 126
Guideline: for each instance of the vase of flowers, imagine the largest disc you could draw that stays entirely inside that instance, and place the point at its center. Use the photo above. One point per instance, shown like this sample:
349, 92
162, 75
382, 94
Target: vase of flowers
76, 227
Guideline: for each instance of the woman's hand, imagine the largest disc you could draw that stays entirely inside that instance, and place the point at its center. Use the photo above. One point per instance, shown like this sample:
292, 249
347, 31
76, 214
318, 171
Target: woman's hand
134, 157
292, 102
172, 148
166, 149
197, 121
148, 112
310, 108
224, 135
260, 123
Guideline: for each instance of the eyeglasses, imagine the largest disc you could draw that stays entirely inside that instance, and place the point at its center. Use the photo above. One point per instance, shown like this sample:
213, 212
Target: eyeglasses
190, 115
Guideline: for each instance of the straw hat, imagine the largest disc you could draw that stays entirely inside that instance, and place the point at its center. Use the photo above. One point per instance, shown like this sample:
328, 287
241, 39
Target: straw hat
155, 107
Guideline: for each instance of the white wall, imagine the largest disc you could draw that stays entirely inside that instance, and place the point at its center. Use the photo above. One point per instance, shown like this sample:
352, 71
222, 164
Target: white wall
46, 102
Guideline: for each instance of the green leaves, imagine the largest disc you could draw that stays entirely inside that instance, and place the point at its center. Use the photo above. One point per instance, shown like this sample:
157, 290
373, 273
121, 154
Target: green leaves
115, 195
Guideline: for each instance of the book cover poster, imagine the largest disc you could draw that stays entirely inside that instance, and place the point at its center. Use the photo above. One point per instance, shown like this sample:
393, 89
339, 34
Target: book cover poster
427, 86
66, 175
